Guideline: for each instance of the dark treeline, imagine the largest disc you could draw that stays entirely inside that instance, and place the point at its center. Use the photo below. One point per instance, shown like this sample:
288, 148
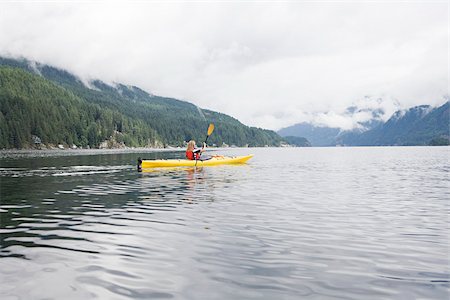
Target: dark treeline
297, 141
57, 108
31, 105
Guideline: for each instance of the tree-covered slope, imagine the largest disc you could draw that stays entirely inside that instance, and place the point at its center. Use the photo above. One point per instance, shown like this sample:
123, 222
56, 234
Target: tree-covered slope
418, 125
434, 126
128, 113
297, 141
31, 105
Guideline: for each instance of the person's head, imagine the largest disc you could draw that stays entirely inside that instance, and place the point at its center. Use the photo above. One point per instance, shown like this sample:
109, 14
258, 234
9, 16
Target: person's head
191, 145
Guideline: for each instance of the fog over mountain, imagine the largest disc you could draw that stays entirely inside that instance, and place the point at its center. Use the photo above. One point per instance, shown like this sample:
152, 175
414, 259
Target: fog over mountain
268, 64
418, 125
359, 115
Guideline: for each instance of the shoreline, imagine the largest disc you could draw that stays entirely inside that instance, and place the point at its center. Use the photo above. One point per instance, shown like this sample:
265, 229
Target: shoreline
30, 153
21, 153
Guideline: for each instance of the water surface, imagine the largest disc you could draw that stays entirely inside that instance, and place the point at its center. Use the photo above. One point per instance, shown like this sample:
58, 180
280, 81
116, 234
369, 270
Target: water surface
299, 223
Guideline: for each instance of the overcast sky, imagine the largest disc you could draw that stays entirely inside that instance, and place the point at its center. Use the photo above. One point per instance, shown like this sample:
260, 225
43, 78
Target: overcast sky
269, 64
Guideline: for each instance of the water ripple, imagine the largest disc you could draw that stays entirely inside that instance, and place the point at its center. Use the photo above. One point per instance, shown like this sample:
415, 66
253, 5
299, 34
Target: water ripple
350, 223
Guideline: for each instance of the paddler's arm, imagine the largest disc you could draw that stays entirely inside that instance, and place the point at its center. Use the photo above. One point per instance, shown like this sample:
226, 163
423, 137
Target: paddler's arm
200, 149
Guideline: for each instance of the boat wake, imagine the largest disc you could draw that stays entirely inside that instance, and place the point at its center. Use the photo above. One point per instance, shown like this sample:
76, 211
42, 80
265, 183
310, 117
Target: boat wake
63, 171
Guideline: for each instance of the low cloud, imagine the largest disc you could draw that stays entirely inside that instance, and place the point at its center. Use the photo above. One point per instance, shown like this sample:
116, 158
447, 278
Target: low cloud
358, 113
268, 64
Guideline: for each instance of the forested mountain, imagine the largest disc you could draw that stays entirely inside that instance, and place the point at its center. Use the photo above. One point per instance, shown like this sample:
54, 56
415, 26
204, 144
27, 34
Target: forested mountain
420, 125
297, 141
318, 136
39, 102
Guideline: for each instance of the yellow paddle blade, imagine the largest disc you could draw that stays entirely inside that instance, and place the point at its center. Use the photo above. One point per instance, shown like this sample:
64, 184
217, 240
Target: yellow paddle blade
210, 128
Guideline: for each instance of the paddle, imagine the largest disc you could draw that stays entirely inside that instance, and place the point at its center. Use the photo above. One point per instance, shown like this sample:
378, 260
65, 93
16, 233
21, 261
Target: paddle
210, 131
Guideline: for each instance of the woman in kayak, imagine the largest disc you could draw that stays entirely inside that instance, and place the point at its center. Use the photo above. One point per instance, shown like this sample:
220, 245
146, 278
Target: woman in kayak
192, 152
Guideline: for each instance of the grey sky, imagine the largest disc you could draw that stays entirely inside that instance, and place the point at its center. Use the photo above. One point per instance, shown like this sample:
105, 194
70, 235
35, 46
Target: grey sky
269, 64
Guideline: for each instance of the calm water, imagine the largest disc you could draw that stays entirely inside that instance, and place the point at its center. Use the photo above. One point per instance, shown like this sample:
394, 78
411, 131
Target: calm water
305, 223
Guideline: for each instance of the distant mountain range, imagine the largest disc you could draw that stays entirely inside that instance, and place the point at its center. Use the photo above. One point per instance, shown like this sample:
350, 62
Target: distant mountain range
46, 106
420, 125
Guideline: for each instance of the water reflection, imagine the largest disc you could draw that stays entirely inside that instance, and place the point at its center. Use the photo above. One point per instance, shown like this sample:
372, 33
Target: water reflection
313, 224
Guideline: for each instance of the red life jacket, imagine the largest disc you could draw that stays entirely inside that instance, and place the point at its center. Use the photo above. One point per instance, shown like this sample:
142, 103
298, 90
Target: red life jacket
192, 156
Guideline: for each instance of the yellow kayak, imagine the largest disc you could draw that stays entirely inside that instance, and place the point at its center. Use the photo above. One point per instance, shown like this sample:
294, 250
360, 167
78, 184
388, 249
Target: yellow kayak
214, 161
